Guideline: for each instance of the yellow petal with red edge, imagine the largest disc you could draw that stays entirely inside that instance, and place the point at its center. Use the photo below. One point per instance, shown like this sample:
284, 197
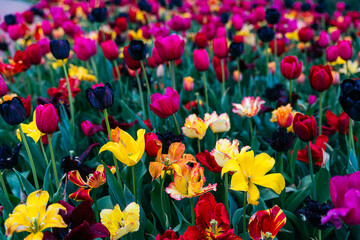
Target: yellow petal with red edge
239, 182
81, 195
96, 180
263, 163
75, 177
253, 194
155, 169
230, 166
275, 181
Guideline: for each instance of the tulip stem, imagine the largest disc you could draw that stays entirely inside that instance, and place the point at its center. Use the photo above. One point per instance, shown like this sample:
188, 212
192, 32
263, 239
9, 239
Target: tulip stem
320, 113
267, 60
53, 161
351, 138
146, 80
319, 234
4, 186
311, 172
141, 94
282, 194
275, 51
43, 151
162, 198
192, 211
177, 124
239, 80
290, 92
199, 147
72, 113
118, 73
226, 183
32, 165
222, 76
39, 79
251, 130
244, 215
110, 139
172, 72
94, 68
134, 182
206, 93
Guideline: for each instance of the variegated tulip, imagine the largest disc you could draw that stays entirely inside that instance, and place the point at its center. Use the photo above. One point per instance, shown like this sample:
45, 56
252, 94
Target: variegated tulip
249, 107
217, 123
194, 127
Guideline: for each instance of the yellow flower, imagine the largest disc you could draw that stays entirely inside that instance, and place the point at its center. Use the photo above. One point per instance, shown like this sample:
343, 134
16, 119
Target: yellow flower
81, 73
250, 170
120, 223
30, 130
194, 127
352, 66
293, 36
34, 217
339, 61
225, 150
249, 107
283, 116
190, 184
217, 123
124, 147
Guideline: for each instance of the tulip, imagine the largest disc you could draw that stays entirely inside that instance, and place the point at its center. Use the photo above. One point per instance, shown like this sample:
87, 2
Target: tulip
306, 34
60, 49
33, 53
283, 116
15, 31
169, 48
345, 49
217, 123
10, 19
165, 105
13, 111
312, 99
168, 235
332, 53
334, 36
3, 87
99, 96
290, 67
129, 61
320, 77
318, 155
110, 50
208, 160
151, 147
225, 150
137, 50
272, 16
46, 27
323, 39
281, 140
188, 84
84, 48
236, 49
47, 118
44, 45
350, 90
249, 107
305, 127
220, 47
194, 127
9, 157
237, 22
266, 34
98, 14
201, 60
201, 40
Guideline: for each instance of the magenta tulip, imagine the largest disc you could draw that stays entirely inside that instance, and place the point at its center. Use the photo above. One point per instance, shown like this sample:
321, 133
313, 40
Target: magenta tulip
220, 47
110, 50
345, 49
84, 48
47, 118
170, 48
332, 53
201, 60
3, 87
165, 105
323, 39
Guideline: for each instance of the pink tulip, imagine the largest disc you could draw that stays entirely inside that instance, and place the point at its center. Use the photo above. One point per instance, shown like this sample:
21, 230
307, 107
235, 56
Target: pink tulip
345, 49
201, 60
110, 50
84, 48
332, 53
323, 39
170, 48
220, 47
3, 87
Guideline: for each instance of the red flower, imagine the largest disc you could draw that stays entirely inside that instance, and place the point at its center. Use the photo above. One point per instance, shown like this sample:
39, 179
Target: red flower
90, 129
170, 48
129, 61
306, 34
212, 221
110, 50
290, 67
47, 118
168, 235
165, 105
336, 124
208, 161
151, 148
266, 224
318, 154
320, 77
304, 127
22, 60
280, 46
220, 47
62, 89
201, 40
33, 53
27, 105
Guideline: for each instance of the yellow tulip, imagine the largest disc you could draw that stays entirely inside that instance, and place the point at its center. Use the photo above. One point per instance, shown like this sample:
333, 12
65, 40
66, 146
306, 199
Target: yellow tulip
81, 73
250, 170
194, 127
120, 223
34, 217
30, 130
225, 150
124, 147
217, 123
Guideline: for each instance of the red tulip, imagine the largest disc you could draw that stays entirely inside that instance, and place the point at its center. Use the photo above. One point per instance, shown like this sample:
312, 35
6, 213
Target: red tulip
201, 40
305, 127
47, 118
201, 60
155, 59
27, 105
151, 146
290, 67
306, 34
317, 152
165, 105
110, 50
336, 124
208, 160
345, 49
33, 53
280, 46
129, 61
320, 77
220, 47
3, 87
121, 24
168, 235
332, 53
170, 48
28, 16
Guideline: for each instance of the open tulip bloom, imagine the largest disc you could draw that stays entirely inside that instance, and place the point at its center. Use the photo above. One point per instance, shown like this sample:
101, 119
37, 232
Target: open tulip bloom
180, 120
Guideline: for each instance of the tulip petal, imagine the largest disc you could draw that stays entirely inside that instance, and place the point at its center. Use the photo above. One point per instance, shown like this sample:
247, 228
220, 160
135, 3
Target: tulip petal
75, 177
263, 163
253, 194
239, 182
275, 181
115, 149
230, 166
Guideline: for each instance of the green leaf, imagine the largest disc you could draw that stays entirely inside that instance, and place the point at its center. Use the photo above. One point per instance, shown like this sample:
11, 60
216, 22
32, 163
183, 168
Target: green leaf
156, 203
293, 157
236, 219
25, 183
127, 176
142, 124
353, 163
322, 182
115, 190
295, 199
47, 178
183, 223
8, 208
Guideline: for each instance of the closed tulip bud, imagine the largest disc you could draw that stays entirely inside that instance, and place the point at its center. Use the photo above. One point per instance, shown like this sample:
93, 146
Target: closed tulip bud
305, 127
129, 61
306, 34
334, 35
84, 48
47, 118
236, 49
60, 49
3, 87
201, 40
349, 98
98, 14
160, 71
237, 22
323, 39
152, 145
332, 53
220, 47
272, 16
188, 83
345, 49
46, 27
13, 111
266, 34
237, 76
100, 96
137, 50
170, 48
320, 77
291, 67
201, 60
165, 105
110, 50
33, 53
